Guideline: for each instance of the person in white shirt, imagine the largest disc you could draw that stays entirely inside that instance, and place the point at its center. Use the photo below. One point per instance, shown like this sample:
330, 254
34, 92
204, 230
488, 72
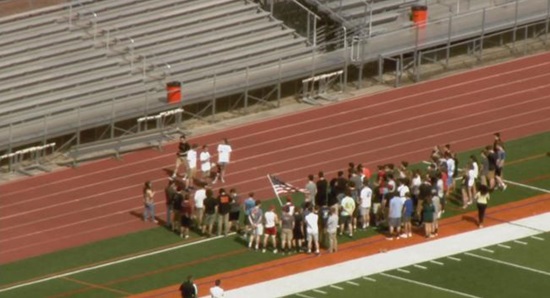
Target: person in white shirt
206, 165
224, 157
216, 291
312, 229
200, 195
347, 209
366, 202
192, 165
271, 220
403, 188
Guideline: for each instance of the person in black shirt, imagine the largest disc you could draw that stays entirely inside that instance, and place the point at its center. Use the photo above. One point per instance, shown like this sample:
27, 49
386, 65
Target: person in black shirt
181, 158
188, 288
177, 207
322, 188
169, 192
492, 160
210, 210
224, 206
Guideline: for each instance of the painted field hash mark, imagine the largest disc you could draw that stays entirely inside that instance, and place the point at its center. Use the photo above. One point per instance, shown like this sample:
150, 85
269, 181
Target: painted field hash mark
487, 250
537, 238
504, 246
454, 259
437, 263
337, 287
403, 270
428, 285
319, 291
420, 267
369, 279
352, 283
520, 242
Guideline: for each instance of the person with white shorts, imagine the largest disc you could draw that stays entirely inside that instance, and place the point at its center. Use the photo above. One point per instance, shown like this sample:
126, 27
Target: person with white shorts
224, 157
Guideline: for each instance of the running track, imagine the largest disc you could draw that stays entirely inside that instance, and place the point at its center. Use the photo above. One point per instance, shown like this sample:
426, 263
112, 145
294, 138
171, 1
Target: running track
100, 199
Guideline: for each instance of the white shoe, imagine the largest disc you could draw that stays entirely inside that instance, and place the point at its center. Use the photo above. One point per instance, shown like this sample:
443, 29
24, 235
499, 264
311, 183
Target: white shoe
263, 250
504, 187
275, 251
410, 235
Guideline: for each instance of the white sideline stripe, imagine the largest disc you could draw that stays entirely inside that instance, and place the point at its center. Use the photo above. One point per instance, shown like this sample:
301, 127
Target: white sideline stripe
429, 285
337, 287
454, 259
319, 291
504, 246
537, 238
109, 263
403, 270
369, 279
420, 266
436, 262
304, 295
527, 186
508, 264
487, 250
358, 97
352, 283
398, 258
520, 242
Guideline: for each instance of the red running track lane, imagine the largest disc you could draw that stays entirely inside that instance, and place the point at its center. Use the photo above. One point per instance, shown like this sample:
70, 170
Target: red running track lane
76, 206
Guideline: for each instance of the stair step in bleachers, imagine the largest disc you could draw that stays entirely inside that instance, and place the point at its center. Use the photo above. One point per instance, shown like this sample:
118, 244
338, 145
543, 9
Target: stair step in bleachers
53, 70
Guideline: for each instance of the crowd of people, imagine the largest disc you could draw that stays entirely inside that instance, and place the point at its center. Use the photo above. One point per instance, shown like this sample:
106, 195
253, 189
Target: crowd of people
395, 200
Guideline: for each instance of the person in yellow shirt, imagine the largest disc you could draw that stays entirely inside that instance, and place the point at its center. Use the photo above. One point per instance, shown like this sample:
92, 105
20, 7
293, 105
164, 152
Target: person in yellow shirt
482, 198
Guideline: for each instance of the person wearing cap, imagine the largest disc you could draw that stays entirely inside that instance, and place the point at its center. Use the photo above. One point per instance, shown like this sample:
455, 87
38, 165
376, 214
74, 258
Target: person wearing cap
181, 156
271, 221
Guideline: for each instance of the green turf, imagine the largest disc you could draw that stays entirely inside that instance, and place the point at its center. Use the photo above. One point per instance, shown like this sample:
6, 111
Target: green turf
470, 275
173, 266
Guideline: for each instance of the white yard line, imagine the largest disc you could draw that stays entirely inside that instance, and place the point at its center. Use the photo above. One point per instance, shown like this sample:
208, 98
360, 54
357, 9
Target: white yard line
403, 270
520, 242
537, 238
508, 263
429, 285
527, 186
337, 287
352, 283
91, 268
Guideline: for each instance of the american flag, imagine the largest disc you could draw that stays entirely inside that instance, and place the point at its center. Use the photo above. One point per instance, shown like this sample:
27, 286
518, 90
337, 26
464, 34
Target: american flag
281, 187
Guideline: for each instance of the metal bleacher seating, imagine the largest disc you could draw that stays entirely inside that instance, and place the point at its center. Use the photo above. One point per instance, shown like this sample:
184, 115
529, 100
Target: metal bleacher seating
380, 15
116, 56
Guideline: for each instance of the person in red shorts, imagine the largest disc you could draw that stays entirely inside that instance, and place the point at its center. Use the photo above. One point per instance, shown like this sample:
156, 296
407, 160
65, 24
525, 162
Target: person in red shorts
271, 220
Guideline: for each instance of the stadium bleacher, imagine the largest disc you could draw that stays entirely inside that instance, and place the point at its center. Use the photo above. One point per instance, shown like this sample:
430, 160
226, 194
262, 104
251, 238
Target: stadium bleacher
118, 50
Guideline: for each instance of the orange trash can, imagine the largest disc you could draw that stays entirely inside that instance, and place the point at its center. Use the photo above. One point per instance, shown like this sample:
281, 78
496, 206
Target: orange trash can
173, 92
419, 14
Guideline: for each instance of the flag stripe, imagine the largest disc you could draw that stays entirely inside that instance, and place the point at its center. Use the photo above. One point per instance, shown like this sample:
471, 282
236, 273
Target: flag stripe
282, 187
